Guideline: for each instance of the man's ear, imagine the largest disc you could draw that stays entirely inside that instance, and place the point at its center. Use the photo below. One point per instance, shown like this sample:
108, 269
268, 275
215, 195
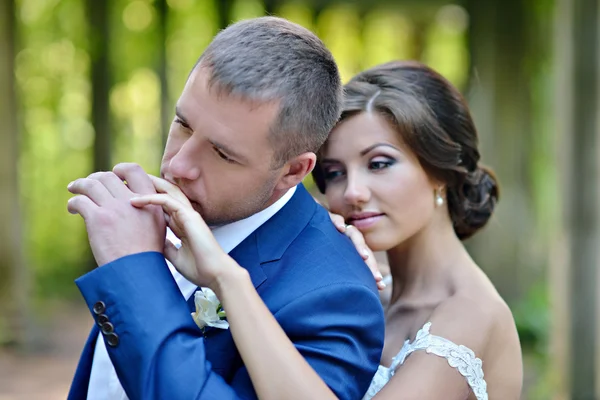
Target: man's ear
296, 170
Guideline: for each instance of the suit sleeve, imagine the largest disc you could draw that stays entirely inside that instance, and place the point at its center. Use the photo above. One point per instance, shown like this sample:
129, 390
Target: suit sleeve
339, 329
155, 346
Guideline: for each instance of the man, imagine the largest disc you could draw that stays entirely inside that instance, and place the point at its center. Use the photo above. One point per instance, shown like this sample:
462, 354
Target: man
259, 103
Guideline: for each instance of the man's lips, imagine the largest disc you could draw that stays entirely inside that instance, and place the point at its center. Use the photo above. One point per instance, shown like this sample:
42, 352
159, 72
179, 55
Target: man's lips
196, 206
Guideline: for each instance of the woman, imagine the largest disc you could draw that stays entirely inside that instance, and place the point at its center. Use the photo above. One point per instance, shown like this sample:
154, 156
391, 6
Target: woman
402, 168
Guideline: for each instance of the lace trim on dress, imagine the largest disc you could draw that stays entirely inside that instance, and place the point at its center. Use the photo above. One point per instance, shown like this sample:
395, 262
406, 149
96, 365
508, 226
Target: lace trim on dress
460, 357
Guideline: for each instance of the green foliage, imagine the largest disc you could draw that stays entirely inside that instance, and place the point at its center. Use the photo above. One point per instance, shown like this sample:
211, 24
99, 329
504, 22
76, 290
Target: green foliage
53, 80
533, 320
51, 70
53, 77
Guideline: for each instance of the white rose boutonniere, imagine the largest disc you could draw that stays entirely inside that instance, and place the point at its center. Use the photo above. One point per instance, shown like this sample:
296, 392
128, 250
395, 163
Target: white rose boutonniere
209, 311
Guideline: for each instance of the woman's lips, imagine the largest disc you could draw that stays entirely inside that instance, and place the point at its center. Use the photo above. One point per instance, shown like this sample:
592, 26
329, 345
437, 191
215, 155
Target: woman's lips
363, 222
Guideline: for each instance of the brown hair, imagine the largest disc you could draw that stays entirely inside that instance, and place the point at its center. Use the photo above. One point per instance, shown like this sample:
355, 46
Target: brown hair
434, 121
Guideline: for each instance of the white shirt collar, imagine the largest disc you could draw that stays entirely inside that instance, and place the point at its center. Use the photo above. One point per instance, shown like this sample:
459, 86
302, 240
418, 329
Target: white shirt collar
229, 236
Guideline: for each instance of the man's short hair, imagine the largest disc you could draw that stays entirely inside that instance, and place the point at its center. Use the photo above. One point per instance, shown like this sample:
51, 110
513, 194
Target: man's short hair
271, 59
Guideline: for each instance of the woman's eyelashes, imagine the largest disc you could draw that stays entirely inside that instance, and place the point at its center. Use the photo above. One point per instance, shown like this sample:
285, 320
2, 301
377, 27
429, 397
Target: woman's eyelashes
376, 164
332, 173
380, 163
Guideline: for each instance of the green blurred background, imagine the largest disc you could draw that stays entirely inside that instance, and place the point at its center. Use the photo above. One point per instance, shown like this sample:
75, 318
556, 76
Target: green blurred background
85, 84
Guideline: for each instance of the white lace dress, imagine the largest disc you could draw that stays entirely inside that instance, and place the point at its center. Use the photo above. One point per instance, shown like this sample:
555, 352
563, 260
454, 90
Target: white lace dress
460, 357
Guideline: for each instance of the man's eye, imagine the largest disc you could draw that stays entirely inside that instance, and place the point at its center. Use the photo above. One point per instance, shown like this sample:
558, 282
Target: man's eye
223, 155
181, 122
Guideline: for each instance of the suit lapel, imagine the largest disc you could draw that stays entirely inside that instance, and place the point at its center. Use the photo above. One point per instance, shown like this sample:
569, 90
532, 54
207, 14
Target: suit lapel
275, 236
246, 255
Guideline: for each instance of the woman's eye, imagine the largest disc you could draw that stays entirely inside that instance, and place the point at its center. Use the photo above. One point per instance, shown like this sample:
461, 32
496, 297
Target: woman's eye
380, 164
332, 174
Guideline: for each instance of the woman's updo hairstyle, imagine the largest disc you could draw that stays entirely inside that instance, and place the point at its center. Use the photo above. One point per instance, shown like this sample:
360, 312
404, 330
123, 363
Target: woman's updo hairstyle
433, 120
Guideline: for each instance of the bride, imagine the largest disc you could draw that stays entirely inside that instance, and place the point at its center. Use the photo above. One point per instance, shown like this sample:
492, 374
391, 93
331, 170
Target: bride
400, 169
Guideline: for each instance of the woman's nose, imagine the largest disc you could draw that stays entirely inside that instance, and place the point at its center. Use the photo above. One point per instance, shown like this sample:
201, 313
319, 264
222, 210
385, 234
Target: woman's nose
357, 192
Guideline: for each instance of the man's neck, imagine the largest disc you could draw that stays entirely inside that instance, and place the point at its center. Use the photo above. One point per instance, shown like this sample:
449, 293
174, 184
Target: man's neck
277, 194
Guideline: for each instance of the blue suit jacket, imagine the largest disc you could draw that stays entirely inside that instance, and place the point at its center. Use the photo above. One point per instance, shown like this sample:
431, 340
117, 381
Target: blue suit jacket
309, 275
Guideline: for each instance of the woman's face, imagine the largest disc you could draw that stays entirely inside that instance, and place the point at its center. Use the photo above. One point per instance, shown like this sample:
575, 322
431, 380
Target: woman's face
375, 182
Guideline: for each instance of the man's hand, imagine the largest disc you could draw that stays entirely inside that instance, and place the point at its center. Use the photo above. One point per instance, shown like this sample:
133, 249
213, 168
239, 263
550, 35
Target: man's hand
116, 228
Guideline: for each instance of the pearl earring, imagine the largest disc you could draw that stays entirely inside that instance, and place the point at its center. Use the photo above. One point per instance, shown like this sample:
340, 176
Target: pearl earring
439, 200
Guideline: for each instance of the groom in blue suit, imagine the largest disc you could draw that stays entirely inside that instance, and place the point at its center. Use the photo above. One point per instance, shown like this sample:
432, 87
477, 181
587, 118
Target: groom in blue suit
256, 107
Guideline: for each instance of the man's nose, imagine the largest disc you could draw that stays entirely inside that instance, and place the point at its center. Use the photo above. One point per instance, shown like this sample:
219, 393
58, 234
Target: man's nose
184, 164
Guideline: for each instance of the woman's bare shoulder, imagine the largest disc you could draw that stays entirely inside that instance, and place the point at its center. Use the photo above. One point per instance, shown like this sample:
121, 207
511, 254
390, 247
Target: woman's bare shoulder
478, 319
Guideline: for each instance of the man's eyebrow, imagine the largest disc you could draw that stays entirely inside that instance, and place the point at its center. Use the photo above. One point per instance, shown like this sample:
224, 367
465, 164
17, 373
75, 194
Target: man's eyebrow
180, 117
228, 151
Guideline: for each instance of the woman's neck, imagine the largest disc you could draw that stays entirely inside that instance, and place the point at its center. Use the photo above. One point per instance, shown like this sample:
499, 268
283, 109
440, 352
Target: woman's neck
423, 267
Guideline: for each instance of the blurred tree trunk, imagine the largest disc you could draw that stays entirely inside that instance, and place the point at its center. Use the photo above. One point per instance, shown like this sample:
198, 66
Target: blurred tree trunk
224, 13
162, 9
99, 31
98, 19
316, 11
508, 46
560, 270
500, 98
270, 6
576, 275
420, 28
14, 288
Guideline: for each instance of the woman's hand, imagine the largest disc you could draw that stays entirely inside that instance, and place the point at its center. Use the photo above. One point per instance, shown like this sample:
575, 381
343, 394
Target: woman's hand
359, 242
361, 246
200, 259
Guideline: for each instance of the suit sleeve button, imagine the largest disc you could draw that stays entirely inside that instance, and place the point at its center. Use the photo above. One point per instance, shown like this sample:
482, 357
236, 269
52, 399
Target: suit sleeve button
102, 319
99, 307
107, 328
112, 339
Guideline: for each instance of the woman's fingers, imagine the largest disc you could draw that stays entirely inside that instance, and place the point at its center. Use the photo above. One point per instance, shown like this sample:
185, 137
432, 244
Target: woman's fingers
169, 204
164, 186
171, 252
183, 261
181, 218
374, 267
338, 221
359, 242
